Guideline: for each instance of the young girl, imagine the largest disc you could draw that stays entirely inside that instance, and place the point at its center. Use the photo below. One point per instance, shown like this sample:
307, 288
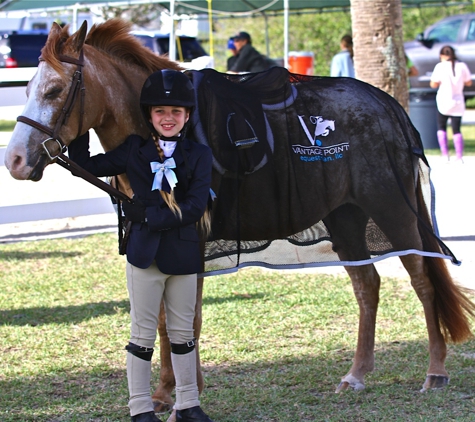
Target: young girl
450, 76
342, 62
171, 178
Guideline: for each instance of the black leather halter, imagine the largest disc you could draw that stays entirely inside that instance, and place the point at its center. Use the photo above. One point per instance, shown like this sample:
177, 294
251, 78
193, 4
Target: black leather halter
77, 85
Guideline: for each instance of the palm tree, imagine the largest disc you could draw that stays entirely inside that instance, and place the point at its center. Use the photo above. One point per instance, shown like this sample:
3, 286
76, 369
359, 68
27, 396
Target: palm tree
378, 46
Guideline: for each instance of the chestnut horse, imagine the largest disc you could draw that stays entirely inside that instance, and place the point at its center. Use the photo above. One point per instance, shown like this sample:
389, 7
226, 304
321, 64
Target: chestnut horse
114, 66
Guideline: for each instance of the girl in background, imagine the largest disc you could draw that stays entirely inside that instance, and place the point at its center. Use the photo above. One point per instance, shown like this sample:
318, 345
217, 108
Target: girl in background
450, 76
342, 62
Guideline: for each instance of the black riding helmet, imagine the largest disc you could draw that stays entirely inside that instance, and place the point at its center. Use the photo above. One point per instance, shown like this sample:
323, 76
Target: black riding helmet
166, 87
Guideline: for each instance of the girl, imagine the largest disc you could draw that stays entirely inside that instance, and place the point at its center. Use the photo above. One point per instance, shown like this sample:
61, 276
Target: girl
171, 178
450, 76
342, 63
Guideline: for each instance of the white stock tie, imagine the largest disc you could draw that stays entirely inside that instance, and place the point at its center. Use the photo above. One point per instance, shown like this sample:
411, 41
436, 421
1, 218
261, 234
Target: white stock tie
163, 169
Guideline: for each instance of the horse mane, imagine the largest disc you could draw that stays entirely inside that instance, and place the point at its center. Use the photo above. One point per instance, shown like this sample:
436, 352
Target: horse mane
113, 38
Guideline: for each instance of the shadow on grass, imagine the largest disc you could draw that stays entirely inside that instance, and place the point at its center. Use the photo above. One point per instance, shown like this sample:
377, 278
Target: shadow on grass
60, 314
212, 300
75, 314
278, 390
20, 255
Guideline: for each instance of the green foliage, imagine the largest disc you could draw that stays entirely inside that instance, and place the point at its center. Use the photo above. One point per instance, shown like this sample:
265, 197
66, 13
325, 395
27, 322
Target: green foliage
274, 344
7, 125
314, 31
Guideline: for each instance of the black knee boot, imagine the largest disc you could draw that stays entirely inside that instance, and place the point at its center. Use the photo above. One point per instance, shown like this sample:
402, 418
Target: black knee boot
193, 414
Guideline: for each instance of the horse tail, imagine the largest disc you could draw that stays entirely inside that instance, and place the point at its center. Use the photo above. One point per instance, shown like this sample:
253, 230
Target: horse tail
452, 304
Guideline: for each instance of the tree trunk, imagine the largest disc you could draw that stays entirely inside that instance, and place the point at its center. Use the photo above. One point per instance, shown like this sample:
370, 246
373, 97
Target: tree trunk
378, 46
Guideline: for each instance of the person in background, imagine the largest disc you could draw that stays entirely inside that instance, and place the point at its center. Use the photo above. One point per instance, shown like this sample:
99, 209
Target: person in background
450, 76
233, 58
171, 177
342, 62
248, 59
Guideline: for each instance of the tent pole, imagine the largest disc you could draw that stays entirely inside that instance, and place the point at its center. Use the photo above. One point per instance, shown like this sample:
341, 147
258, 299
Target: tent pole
172, 43
75, 17
210, 24
266, 20
286, 34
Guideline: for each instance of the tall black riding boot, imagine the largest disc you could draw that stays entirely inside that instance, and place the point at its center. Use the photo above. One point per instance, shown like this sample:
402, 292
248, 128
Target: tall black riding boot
145, 417
193, 414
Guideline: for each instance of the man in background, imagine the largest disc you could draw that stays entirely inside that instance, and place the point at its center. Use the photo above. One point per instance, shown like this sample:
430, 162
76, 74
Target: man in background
247, 58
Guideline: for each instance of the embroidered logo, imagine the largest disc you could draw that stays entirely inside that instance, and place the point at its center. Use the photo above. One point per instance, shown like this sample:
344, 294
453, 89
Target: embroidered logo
322, 127
317, 151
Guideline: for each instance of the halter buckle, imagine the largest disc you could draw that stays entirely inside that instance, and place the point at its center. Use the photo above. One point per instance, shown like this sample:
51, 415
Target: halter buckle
62, 148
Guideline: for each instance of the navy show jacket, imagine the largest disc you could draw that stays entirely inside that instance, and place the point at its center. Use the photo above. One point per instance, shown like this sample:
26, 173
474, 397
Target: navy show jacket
171, 242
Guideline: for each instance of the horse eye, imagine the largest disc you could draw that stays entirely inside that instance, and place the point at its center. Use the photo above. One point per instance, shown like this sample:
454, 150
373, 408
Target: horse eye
53, 93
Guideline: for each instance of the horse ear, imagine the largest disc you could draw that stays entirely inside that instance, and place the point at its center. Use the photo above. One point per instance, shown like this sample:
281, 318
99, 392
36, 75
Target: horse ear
78, 38
55, 28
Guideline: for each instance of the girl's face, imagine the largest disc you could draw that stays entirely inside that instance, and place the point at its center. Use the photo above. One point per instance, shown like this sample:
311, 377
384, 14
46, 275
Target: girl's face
168, 120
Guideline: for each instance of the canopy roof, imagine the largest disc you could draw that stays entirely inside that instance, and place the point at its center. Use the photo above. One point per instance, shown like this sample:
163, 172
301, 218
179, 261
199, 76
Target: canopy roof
201, 6
218, 7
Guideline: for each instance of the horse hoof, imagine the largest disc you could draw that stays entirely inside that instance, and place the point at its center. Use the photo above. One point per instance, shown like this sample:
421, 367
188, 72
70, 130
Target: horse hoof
349, 381
435, 381
161, 407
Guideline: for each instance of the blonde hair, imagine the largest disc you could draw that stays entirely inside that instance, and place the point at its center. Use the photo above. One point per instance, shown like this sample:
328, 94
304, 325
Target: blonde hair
169, 198
204, 224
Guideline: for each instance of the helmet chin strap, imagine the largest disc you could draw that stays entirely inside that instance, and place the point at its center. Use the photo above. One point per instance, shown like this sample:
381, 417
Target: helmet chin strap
176, 138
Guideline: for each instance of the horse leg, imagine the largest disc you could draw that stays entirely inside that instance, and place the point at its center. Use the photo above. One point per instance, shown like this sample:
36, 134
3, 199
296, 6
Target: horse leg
162, 399
347, 225
366, 282
446, 306
437, 375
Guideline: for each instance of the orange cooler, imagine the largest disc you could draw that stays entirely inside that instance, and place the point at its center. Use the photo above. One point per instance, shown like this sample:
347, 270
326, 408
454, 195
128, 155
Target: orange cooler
301, 62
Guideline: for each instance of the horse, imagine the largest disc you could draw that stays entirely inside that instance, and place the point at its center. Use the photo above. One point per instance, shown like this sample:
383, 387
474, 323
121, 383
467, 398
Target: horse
378, 185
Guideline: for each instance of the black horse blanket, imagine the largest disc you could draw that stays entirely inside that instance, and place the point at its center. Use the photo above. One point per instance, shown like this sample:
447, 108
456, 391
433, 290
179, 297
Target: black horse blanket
288, 150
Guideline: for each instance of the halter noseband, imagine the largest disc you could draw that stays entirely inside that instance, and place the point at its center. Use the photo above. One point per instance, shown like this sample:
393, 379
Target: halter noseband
77, 85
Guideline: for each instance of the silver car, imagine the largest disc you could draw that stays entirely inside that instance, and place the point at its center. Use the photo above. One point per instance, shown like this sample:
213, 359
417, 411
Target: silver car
457, 31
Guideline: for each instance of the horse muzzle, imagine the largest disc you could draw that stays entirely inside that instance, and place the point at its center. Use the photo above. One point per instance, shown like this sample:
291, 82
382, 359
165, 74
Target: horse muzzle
23, 165
37, 172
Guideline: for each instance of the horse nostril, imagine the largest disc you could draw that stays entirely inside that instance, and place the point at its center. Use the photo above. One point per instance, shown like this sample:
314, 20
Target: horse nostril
17, 162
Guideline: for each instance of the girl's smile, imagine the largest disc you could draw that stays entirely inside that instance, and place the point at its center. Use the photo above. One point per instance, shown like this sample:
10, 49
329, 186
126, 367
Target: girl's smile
168, 121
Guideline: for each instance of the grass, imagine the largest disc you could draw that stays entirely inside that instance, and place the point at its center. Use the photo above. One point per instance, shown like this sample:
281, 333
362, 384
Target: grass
274, 344
7, 125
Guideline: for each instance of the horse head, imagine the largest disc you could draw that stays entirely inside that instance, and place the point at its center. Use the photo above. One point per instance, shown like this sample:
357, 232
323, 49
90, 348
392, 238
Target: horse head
40, 134
82, 82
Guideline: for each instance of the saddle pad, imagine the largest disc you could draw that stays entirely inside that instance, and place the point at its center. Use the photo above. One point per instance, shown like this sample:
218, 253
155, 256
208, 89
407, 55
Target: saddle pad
230, 114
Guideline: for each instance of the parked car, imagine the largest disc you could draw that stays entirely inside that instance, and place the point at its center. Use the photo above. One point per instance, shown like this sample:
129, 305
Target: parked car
457, 31
187, 48
21, 48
